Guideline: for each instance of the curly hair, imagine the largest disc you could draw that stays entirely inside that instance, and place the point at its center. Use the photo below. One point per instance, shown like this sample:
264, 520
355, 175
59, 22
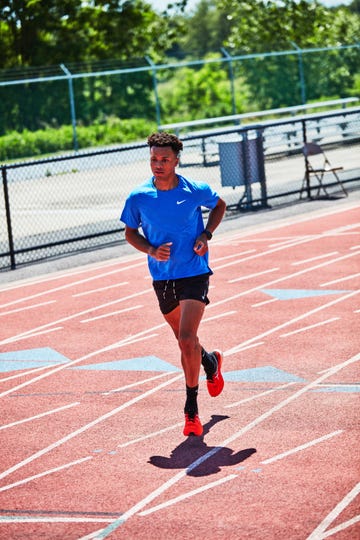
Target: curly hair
165, 139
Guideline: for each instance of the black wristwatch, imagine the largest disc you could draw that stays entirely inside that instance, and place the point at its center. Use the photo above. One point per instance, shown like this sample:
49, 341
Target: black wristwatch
208, 234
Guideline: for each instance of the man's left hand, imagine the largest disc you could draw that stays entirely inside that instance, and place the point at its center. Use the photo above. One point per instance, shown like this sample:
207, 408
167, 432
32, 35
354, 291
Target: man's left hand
201, 245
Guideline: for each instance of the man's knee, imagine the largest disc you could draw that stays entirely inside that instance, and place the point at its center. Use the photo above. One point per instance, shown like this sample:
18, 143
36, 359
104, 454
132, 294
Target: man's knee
188, 343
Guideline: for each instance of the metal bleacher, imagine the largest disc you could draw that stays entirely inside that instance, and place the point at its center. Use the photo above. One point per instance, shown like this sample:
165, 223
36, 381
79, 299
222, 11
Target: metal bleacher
281, 133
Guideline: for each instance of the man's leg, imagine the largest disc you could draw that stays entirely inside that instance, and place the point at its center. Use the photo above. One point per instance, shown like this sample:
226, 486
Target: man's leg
210, 361
185, 320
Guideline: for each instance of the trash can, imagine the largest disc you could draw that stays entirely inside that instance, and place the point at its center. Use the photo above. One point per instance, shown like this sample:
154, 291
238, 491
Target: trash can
242, 164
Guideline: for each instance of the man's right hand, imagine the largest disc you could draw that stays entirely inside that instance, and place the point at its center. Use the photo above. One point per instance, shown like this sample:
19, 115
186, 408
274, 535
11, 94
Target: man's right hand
161, 253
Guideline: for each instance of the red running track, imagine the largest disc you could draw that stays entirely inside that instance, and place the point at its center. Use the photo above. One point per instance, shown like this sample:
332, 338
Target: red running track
92, 396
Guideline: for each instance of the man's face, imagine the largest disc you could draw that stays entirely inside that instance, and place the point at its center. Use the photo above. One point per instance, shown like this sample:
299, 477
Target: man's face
163, 161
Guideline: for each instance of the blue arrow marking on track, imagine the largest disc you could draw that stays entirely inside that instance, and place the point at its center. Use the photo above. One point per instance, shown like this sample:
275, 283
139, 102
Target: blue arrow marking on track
348, 388
291, 294
261, 374
30, 358
145, 363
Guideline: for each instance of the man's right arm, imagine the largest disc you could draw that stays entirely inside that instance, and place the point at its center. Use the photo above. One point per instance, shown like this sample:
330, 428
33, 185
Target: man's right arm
139, 242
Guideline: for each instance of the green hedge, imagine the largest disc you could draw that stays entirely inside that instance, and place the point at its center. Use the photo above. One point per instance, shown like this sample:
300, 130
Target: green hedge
29, 144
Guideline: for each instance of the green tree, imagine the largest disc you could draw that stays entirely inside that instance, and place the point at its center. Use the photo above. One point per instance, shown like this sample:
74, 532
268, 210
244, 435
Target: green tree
206, 30
262, 26
43, 33
79, 33
196, 93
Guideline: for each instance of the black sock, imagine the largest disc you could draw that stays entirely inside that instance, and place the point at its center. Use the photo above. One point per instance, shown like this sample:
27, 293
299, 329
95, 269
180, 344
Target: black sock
209, 362
191, 407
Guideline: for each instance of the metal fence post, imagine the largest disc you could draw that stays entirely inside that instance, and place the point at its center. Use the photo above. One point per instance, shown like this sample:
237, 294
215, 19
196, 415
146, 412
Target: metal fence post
231, 75
301, 72
307, 175
261, 167
8, 218
247, 171
157, 101
72, 104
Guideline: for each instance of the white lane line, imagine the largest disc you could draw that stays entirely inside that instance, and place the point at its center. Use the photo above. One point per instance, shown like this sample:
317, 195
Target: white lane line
337, 385
220, 316
47, 413
45, 473
341, 527
149, 435
265, 302
103, 533
130, 339
100, 289
256, 396
127, 341
290, 240
355, 247
339, 280
25, 519
170, 502
123, 343
139, 306
266, 252
310, 327
236, 240
296, 243
302, 447
25, 308
323, 256
318, 533
69, 285
74, 315
137, 383
239, 348
33, 334
249, 276
232, 256
84, 428
344, 228
295, 319
56, 276
24, 373
284, 278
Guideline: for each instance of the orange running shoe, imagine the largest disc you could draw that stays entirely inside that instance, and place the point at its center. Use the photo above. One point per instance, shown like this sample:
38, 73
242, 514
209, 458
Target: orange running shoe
192, 425
216, 383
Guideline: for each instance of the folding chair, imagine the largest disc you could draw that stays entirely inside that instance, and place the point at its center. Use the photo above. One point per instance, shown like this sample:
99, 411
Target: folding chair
318, 165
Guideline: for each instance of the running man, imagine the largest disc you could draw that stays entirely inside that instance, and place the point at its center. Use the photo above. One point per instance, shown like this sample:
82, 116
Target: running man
167, 209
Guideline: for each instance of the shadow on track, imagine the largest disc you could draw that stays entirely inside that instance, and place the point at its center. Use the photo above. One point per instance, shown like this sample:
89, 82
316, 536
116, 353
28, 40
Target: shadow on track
194, 448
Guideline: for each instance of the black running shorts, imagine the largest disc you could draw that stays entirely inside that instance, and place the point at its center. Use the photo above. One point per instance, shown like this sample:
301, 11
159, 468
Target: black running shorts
170, 291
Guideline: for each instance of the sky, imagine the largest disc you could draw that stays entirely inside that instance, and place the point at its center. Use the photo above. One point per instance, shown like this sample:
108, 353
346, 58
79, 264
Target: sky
160, 5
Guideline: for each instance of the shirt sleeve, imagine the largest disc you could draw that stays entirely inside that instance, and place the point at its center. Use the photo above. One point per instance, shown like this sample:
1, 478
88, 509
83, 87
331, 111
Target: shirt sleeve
209, 197
130, 214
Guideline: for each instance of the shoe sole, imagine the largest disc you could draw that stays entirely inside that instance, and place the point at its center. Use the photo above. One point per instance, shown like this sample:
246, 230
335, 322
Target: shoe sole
219, 356
188, 432
192, 433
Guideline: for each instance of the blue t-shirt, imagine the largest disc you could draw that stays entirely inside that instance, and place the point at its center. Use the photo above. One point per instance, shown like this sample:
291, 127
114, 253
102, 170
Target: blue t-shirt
171, 216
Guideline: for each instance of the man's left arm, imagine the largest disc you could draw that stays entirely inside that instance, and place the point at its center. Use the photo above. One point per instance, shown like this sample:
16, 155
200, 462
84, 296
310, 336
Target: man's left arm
215, 216
214, 220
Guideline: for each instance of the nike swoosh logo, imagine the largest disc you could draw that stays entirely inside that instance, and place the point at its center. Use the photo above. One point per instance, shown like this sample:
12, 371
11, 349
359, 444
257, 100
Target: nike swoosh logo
180, 202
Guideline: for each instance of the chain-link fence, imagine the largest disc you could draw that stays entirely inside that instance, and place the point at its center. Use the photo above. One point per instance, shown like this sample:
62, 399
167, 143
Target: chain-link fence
61, 205
85, 94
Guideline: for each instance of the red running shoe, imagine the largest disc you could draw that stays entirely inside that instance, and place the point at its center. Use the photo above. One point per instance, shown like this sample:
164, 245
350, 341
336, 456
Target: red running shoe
216, 383
192, 425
